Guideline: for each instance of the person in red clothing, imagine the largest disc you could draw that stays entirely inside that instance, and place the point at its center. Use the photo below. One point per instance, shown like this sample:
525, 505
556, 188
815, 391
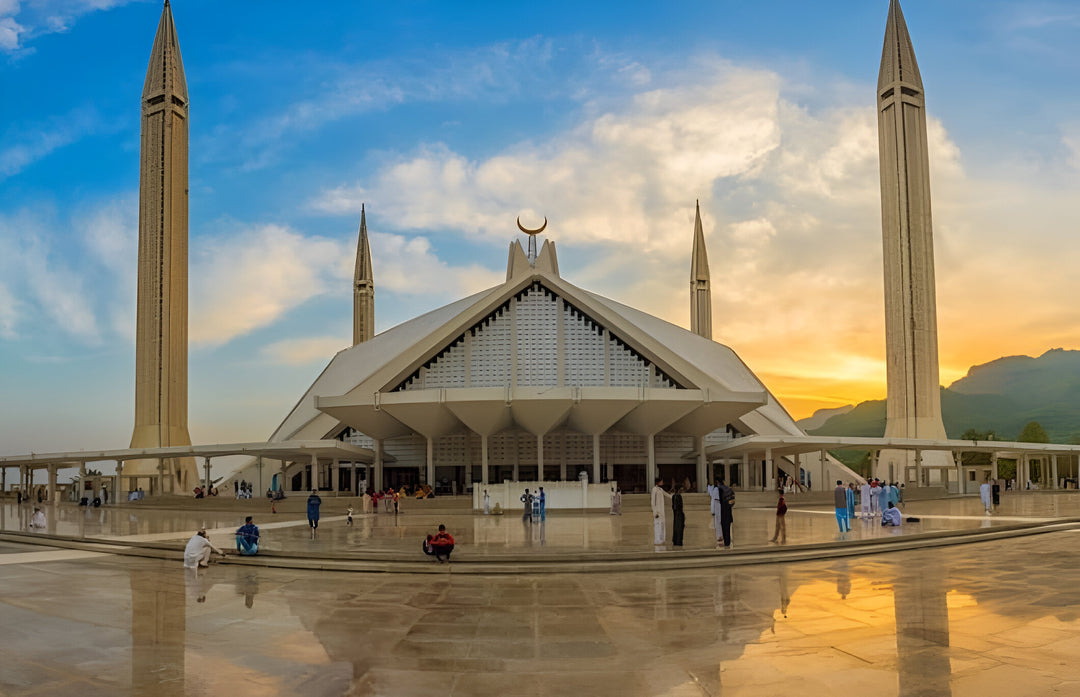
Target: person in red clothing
781, 525
442, 544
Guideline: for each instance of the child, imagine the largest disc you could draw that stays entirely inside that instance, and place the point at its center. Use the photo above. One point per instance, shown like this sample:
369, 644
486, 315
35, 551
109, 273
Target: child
781, 526
348, 514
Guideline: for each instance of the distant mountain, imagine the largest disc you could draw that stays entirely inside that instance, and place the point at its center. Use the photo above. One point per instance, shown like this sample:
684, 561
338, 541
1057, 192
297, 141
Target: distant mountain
821, 416
1000, 396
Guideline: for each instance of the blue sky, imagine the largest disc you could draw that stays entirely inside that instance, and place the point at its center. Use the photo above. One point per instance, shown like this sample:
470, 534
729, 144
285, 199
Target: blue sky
451, 119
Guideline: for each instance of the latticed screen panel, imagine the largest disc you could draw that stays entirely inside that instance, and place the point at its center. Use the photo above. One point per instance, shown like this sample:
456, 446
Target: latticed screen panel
490, 363
584, 350
537, 338
627, 368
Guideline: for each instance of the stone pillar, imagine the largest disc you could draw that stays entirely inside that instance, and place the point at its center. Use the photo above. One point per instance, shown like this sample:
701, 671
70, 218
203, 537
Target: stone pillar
431, 462
825, 480
650, 461
702, 465
596, 458
377, 475
562, 452
160, 476
995, 465
121, 488
484, 462
52, 483
206, 467
335, 476
539, 458
314, 482
517, 449
772, 469
918, 467
1054, 470
744, 472
282, 485
259, 466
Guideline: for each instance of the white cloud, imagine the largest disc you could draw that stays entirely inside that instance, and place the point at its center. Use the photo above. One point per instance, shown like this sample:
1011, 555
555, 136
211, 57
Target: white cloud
409, 266
9, 313
304, 351
32, 144
20, 22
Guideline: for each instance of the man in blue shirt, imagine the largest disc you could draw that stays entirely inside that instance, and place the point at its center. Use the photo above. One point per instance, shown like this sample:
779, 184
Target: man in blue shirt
313, 503
247, 538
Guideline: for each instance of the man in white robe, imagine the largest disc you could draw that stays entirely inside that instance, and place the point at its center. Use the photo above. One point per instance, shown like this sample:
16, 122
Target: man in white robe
864, 500
659, 528
984, 494
198, 549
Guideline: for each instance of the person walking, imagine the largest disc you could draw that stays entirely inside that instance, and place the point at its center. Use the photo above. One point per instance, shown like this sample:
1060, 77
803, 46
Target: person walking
984, 494
780, 534
678, 518
313, 503
840, 504
850, 495
727, 516
864, 501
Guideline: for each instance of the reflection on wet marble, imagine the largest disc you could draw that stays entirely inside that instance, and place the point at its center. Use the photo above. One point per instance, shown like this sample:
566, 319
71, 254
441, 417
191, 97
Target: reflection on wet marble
479, 535
997, 618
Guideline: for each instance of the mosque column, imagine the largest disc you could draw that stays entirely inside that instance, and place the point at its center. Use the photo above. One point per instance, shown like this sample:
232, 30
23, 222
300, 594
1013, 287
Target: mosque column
259, 466
484, 459
121, 491
206, 468
160, 475
650, 461
539, 458
431, 462
284, 468
517, 453
772, 468
377, 475
702, 464
596, 458
1054, 471
562, 453
825, 481
918, 467
3, 481
995, 465
52, 483
335, 477
744, 471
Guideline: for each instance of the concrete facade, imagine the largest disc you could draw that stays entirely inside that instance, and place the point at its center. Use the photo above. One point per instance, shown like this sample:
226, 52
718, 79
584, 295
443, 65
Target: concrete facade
913, 404
162, 322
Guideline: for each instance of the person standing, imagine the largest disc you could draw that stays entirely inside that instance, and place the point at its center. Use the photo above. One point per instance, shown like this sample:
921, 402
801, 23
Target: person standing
865, 496
727, 516
348, 516
995, 492
678, 518
894, 494
840, 504
487, 503
657, 504
313, 504
780, 535
616, 501
850, 495
984, 494
714, 507
527, 499
543, 504
883, 496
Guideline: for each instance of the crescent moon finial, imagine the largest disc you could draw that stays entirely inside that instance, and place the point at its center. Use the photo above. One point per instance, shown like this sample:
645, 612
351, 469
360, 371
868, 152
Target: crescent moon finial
527, 231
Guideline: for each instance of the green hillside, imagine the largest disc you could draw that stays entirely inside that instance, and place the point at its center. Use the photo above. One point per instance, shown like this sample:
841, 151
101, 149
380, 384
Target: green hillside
1001, 396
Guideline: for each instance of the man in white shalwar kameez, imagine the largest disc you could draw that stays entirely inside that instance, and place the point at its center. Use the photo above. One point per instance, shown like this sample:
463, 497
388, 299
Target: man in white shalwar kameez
984, 494
659, 528
198, 549
865, 496
714, 507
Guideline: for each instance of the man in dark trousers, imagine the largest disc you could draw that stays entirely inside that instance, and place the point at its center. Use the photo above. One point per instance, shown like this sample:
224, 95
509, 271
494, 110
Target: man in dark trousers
727, 501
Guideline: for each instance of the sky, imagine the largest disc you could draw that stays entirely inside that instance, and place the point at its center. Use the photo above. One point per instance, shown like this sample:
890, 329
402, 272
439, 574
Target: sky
449, 120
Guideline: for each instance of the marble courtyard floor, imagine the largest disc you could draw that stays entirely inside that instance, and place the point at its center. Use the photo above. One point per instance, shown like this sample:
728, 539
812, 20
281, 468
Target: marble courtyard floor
990, 618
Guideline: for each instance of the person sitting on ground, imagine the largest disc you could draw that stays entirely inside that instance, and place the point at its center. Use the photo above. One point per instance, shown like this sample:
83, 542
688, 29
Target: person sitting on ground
198, 549
443, 544
37, 521
428, 549
247, 538
891, 516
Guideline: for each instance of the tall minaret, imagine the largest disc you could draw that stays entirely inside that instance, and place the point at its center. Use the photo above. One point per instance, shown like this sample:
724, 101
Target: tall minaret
913, 404
700, 286
363, 287
161, 334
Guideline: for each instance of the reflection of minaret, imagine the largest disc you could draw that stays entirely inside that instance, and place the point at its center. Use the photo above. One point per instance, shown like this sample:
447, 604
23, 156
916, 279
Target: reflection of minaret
700, 286
913, 404
363, 287
922, 631
161, 332
158, 632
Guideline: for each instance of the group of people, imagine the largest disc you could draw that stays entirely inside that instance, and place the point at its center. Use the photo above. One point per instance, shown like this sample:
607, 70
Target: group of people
875, 498
243, 489
439, 545
721, 503
990, 494
202, 492
199, 548
391, 500
535, 506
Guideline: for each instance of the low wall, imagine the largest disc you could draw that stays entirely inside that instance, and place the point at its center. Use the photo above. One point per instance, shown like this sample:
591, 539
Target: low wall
576, 495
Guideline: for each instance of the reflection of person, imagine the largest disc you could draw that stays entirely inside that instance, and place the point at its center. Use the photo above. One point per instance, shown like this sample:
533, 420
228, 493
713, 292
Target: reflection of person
442, 544
37, 521
247, 538
678, 518
198, 549
891, 516
313, 503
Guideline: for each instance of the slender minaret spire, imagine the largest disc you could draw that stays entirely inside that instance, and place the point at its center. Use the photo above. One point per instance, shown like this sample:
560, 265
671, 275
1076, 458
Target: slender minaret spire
913, 404
161, 332
700, 286
363, 287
